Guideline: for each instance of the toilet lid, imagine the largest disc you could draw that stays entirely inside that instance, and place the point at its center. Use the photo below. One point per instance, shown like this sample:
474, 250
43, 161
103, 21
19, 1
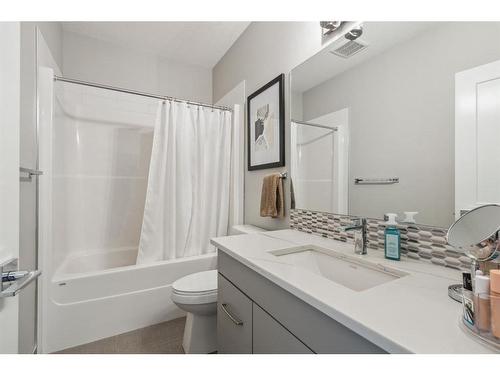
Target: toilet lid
200, 282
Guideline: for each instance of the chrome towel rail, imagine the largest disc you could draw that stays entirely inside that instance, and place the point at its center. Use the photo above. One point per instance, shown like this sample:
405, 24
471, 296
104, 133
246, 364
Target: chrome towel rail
15, 287
376, 181
10, 288
29, 174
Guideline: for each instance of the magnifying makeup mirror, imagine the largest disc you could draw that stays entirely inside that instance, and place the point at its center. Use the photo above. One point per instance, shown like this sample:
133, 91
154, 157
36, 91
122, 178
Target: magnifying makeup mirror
476, 233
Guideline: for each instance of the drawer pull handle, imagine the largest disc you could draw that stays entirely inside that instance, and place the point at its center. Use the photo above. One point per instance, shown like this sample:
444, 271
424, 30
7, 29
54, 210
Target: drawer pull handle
235, 320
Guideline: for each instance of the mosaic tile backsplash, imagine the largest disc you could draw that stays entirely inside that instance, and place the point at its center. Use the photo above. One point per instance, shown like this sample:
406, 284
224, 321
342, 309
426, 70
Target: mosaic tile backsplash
418, 241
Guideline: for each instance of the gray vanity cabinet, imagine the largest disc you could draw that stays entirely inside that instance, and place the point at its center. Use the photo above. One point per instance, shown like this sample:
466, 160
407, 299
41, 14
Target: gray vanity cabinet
270, 337
244, 328
234, 319
255, 315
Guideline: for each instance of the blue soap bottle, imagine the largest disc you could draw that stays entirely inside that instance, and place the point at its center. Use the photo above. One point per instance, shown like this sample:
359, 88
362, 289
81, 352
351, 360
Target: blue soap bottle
392, 238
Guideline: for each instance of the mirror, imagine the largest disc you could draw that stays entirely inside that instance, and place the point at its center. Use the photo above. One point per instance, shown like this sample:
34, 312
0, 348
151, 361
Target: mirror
475, 233
375, 128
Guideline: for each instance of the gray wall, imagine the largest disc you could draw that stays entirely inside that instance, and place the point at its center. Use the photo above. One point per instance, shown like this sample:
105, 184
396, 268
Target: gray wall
402, 122
262, 52
95, 60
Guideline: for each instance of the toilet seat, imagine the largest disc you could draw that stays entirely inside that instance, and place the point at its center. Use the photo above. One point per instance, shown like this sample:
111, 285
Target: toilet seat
197, 288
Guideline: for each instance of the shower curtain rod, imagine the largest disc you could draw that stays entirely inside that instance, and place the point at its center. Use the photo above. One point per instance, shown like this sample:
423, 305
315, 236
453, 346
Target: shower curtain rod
333, 128
134, 92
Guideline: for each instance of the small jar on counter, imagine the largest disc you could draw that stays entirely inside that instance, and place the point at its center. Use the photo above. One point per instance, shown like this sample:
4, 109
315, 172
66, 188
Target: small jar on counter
482, 302
495, 302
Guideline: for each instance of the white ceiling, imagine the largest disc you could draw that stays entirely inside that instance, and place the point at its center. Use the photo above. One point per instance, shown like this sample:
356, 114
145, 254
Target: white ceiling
195, 43
380, 37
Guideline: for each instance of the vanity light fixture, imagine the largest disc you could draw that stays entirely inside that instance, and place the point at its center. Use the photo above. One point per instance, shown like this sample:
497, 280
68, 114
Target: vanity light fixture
354, 33
327, 27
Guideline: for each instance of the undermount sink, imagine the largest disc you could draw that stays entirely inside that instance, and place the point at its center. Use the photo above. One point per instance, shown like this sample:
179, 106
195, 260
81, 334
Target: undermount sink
351, 272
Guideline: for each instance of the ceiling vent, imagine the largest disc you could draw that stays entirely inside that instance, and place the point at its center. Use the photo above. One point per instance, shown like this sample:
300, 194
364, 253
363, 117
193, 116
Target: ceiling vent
346, 48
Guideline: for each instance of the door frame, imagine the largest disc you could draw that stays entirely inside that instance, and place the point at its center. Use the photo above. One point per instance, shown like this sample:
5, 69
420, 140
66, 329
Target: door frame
466, 173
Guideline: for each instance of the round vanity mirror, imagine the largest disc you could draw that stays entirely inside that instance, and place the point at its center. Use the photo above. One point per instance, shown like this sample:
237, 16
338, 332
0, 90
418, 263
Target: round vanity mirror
476, 232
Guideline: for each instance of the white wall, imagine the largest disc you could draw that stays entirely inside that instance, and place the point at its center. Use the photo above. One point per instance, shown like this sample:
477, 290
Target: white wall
401, 109
262, 52
9, 173
98, 61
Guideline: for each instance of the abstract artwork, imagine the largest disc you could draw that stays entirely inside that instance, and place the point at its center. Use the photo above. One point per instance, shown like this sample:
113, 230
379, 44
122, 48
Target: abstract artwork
266, 130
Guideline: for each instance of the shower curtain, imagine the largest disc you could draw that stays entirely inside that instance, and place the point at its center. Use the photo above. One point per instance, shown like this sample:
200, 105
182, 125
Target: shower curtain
188, 194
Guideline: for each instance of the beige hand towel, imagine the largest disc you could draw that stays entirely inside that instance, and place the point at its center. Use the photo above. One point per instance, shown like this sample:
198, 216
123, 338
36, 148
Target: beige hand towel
271, 200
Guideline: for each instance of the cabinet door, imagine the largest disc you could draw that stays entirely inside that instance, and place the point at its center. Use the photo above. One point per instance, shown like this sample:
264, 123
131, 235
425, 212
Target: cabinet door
270, 337
234, 319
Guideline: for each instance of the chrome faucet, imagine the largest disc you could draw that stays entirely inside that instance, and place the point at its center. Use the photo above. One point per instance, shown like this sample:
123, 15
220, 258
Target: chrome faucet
360, 236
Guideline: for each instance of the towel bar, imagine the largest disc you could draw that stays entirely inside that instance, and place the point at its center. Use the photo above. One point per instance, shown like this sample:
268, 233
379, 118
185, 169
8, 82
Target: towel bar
30, 173
12, 288
376, 181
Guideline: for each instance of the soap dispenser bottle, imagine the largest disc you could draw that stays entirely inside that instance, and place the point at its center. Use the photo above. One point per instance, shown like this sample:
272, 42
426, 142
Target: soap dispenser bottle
410, 217
392, 238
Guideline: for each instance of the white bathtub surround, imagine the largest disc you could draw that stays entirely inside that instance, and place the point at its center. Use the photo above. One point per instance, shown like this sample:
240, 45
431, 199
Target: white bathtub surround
187, 200
411, 314
95, 148
112, 298
319, 162
97, 168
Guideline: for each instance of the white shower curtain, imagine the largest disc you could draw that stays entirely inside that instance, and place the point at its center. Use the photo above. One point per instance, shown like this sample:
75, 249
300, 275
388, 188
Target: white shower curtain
187, 199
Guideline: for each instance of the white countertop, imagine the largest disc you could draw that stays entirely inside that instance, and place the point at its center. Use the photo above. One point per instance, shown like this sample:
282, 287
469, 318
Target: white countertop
412, 314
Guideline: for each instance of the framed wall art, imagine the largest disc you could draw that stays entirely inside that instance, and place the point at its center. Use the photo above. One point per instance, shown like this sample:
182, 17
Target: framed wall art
266, 126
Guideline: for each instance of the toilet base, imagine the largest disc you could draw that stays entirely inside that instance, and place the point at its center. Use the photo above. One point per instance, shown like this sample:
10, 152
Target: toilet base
200, 334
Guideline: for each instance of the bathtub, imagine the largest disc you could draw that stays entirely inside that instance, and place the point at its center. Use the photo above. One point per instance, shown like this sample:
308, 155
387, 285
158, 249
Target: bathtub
101, 294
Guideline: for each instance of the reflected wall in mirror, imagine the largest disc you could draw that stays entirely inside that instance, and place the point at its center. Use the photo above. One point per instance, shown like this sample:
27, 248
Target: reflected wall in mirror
388, 111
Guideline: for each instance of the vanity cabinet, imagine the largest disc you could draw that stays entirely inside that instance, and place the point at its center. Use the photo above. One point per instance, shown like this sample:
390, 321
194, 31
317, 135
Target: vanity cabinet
273, 320
234, 319
270, 337
243, 327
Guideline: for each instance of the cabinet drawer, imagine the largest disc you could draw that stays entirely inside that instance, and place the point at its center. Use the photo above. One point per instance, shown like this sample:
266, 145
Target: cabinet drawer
234, 319
270, 337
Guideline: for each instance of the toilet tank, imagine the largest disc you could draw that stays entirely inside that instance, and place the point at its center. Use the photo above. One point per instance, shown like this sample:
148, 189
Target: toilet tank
245, 229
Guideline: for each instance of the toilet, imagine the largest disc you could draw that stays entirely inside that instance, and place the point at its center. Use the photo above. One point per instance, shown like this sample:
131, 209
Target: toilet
196, 294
